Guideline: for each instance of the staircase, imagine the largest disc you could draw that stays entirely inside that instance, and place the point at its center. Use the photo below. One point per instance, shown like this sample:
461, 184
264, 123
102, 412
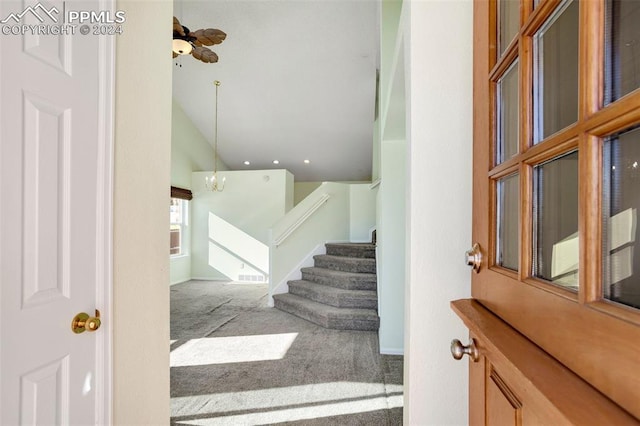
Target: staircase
339, 292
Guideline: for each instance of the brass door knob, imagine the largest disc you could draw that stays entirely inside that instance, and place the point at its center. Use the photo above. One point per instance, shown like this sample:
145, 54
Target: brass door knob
473, 257
458, 350
83, 322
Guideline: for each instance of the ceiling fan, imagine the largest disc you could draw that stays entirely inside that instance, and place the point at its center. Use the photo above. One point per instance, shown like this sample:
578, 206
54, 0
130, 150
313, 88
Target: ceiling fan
186, 42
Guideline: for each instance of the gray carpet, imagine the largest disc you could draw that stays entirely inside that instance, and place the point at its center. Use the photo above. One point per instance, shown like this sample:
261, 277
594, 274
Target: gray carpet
237, 362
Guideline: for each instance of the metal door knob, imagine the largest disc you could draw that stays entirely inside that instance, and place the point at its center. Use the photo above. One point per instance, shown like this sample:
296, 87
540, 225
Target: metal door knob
83, 322
473, 257
458, 350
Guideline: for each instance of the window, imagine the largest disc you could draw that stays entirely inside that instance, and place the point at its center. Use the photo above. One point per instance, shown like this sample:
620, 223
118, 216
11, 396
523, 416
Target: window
178, 220
557, 181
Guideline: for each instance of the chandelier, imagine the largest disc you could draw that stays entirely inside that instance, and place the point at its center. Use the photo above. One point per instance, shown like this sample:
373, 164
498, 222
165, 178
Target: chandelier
212, 182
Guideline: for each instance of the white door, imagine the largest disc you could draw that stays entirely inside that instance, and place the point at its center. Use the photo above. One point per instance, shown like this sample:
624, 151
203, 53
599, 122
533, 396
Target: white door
55, 209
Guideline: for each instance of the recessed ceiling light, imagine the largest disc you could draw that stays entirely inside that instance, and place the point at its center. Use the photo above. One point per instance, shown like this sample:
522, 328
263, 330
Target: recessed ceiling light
307, 161
276, 162
246, 163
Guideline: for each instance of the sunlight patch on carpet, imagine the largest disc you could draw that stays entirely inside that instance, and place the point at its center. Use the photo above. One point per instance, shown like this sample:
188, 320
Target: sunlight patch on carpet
285, 404
295, 414
225, 350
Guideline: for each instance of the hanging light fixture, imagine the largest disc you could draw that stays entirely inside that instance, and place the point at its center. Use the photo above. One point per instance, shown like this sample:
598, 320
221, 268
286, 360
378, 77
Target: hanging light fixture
181, 47
212, 182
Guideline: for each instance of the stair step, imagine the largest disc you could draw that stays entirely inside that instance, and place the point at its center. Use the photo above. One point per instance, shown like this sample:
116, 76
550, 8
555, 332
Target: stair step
361, 250
328, 316
345, 264
340, 298
339, 279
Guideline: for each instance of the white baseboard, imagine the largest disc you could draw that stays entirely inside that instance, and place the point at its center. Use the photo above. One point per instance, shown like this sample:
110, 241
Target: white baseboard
210, 279
392, 351
198, 279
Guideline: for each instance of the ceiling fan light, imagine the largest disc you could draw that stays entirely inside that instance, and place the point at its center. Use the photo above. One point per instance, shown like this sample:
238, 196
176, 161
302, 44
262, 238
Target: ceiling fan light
182, 47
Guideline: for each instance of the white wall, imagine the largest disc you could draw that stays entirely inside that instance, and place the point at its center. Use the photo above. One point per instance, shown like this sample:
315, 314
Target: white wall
252, 201
180, 266
141, 215
303, 189
391, 200
390, 21
314, 222
362, 212
375, 155
389, 15
438, 49
391, 246
190, 152
289, 200
236, 254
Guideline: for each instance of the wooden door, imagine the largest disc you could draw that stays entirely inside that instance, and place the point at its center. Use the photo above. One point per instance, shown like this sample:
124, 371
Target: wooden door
557, 183
55, 214
514, 382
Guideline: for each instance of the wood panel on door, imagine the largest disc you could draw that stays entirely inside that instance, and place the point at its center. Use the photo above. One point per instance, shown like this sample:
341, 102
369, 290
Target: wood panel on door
515, 382
578, 321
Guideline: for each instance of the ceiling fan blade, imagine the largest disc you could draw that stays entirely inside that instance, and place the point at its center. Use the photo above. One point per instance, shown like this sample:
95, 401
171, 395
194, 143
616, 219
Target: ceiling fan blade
208, 36
177, 27
204, 54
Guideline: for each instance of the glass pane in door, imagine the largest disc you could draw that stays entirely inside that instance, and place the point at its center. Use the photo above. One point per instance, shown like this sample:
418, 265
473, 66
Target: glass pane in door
508, 113
555, 52
621, 201
509, 22
508, 212
555, 216
622, 68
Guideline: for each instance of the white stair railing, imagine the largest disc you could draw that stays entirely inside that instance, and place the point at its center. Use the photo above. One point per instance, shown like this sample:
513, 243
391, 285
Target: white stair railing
319, 203
322, 216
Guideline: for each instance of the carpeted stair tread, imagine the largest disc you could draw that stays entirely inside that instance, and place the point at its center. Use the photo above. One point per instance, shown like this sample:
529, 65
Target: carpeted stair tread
340, 279
345, 264
333, 296
362, 250
339, 291
327, 316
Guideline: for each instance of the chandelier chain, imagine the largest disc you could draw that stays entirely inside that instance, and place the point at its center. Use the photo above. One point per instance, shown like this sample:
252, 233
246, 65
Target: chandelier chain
211, 182
215, 140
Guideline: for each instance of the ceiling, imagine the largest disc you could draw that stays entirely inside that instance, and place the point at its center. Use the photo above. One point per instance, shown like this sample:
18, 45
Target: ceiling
298, 83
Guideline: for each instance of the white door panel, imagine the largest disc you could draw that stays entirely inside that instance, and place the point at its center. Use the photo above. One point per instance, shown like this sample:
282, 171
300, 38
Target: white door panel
54, 211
